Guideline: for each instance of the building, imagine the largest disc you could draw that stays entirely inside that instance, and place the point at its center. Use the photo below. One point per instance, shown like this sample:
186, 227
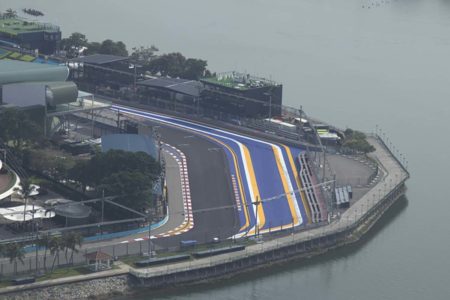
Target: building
174, 93
102, 70
44, 91
240, 94
33, 35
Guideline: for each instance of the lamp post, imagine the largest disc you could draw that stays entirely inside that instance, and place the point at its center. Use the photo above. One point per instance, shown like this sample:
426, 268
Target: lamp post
149, 235
270, 103
257, 203
134, 66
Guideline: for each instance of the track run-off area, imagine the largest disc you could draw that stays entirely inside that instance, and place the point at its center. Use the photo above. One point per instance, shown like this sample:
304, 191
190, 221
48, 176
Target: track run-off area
259, 170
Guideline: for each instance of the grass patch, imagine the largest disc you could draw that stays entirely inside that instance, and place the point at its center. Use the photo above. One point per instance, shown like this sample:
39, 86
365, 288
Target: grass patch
5, 283
65, 272
132, 259
15, 55
27, 58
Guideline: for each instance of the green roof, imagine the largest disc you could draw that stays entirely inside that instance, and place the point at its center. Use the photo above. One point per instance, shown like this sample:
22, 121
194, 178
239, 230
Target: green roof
239, 81
17, 26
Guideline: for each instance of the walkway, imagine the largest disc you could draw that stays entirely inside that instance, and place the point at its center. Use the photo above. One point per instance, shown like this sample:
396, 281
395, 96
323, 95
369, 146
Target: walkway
394, 176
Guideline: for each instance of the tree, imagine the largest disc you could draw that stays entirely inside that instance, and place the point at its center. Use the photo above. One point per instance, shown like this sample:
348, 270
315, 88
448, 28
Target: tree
114, 48
194, 68
143, 55
55, 245
93, 48
134, 188
72, 240
16, 126
25, 189
81, 173
15, 252
357, 141
176, 65
10, 14
73, 43
44, 242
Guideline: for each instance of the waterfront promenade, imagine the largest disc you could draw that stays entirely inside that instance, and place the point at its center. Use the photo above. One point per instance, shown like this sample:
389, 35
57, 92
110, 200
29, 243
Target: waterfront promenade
362, 214
348, 228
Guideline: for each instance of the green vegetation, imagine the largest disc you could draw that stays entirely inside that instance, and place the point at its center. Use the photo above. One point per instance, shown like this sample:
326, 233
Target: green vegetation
65, 272
9, 14
356, 140
119, 173
77, 40
172, 64
18, 129
12, 25
176, 65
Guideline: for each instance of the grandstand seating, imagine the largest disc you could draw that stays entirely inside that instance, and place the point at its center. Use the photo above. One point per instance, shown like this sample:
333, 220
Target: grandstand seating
310, 191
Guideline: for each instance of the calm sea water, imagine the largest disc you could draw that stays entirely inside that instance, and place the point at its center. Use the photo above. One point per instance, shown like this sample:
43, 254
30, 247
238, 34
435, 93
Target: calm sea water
355, 63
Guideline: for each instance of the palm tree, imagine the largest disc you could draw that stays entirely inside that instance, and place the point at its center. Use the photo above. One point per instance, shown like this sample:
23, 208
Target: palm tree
72, 240
44, 241
10, 14
55, 246
26, 188
14, 251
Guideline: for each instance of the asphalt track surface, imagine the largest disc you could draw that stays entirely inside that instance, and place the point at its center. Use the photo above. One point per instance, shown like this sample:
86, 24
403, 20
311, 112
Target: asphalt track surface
210, 183
257, 170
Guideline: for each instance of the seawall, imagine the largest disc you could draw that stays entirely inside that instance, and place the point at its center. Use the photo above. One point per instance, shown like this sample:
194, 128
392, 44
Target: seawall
349, 228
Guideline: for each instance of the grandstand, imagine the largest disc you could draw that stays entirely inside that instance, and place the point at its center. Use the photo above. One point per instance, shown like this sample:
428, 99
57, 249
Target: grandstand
311, 192
26, 56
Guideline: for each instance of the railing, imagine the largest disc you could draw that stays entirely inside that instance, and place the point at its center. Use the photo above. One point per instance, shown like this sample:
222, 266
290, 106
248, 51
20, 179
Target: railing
361, 215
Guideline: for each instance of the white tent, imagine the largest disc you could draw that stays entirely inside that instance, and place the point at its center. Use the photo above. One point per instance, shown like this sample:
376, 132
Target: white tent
16, 213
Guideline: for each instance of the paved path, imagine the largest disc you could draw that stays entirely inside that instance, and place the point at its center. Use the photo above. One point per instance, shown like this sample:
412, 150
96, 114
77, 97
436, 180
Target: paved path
394, 174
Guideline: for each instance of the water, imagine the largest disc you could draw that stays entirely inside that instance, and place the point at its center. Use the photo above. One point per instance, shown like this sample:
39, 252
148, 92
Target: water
345, 63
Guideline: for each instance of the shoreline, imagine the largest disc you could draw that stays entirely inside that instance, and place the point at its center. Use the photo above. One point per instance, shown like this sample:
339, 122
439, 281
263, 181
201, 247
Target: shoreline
300, 245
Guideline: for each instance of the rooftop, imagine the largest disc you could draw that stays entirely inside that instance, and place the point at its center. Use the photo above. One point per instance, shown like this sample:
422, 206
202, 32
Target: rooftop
177, 85
99, 59
12, 71
17, 26
240, 81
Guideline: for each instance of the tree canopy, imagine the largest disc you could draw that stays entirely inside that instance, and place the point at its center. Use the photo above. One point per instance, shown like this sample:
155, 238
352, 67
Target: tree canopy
356, 140
17, 127
143, 55
77, 41
176, 65
10, 14
120, 173
170, 64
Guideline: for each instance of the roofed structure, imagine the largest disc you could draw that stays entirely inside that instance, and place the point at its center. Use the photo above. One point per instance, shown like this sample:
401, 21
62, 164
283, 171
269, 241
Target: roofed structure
181, 86
30, 34
18, 71
99, 59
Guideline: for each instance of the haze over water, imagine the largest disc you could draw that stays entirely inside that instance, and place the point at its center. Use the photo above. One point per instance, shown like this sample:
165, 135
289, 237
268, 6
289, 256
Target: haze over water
345, 63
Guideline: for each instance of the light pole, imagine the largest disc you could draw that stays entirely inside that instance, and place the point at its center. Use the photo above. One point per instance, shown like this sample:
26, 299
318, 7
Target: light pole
134, 66
270, 103
149, 236
257, 203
